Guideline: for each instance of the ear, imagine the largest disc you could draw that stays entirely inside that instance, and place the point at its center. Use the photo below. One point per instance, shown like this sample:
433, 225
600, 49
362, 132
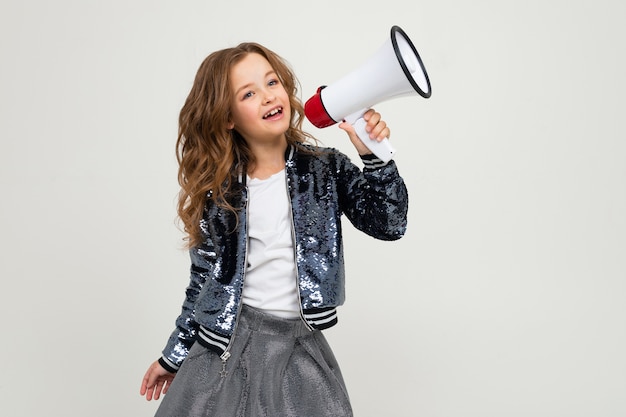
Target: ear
230, 125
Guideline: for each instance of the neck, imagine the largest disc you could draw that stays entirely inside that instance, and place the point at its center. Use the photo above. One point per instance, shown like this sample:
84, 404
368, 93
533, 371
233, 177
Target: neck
269, 159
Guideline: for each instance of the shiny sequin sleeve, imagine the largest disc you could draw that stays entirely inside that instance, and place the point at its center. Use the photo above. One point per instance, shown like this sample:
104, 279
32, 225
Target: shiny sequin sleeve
375, 199
216, 278
184, 335
325, 185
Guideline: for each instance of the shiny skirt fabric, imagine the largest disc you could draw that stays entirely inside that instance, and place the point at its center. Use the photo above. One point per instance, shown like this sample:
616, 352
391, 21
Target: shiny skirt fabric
277, 368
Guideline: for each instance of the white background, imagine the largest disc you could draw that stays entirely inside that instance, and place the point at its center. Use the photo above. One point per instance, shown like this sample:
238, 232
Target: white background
506, 296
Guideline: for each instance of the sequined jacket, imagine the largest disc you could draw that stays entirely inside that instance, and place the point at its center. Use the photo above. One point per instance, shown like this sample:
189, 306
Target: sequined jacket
322, 186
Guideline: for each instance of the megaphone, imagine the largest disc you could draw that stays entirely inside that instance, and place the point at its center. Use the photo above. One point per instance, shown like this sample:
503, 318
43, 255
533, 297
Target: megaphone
396, 70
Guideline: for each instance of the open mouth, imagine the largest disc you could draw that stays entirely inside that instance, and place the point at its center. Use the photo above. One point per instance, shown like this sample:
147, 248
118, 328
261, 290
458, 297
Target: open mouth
273, 112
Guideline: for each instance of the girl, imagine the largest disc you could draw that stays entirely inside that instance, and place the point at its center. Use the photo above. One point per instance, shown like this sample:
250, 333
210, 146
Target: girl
261, 207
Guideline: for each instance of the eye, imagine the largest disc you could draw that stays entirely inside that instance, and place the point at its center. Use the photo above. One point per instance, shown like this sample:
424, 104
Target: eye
248, 95
273, 82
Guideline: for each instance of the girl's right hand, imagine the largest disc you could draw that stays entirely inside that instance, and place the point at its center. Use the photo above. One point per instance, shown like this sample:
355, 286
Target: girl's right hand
156, 381
376, 127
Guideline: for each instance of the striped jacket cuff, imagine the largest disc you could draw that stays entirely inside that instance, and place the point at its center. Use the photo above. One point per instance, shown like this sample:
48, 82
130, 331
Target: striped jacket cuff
371, 161
168, 365
321, 318
213, 341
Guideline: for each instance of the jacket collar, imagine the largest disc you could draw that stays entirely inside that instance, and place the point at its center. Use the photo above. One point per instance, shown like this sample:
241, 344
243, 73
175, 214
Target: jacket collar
242, 178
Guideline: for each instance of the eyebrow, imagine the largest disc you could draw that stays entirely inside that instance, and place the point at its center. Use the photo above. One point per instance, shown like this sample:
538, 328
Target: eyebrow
243, 87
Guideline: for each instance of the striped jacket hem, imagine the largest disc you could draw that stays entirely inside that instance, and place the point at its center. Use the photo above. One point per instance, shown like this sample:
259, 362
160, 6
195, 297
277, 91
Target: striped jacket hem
316, 318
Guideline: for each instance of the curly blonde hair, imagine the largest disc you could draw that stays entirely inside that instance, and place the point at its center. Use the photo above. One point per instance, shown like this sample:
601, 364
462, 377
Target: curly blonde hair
207, 151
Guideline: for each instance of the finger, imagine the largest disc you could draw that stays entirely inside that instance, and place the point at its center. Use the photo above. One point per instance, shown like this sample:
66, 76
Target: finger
349, 129
145, 383
387, 134
368, 114
167, 385
356, 141
149, 393
346, 127
380, 131
158, 389
372, 122
148, 384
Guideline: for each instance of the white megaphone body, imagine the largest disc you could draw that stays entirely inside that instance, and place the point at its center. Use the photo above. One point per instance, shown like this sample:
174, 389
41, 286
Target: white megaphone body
396, 70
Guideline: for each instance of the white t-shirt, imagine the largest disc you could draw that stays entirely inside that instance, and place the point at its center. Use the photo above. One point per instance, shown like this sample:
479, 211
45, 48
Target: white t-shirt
270, 282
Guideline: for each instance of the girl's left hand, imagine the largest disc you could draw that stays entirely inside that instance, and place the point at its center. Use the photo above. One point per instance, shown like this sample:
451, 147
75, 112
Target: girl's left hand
156, 381
376, 127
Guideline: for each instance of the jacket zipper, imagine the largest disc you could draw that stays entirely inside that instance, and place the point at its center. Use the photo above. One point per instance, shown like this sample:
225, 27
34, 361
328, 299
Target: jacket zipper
295, 255
226, 355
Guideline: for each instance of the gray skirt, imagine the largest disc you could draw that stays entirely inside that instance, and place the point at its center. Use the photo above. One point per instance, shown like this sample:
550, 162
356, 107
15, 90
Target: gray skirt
277, 368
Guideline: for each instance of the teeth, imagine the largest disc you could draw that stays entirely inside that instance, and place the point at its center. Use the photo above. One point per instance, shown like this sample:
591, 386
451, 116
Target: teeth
271, 113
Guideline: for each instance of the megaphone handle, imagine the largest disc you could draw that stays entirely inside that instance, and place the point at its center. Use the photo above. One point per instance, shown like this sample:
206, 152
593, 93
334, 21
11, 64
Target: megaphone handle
382, 149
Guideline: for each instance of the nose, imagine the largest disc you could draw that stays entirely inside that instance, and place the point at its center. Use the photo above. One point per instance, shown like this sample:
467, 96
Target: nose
269, 97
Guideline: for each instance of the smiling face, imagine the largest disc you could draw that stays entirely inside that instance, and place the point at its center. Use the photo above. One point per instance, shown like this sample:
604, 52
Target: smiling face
260, 109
